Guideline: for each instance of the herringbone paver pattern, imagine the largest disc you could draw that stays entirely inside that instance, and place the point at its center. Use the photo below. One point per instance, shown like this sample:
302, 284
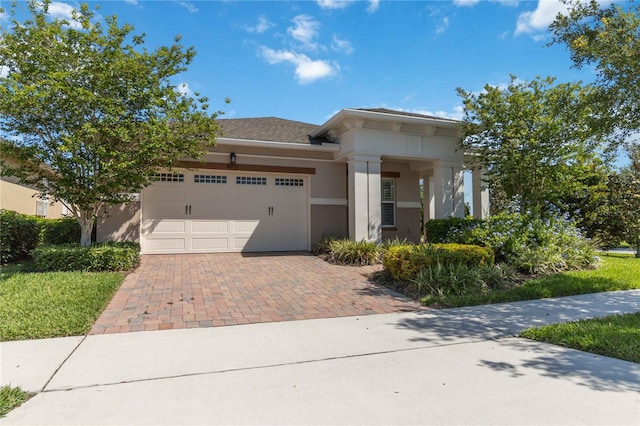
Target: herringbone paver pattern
209, 290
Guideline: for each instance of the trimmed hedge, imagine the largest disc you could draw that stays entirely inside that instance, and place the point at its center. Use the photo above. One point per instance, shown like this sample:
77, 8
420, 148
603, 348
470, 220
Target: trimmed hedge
59, 231
18, 236
98, 257
405, 262
446, 230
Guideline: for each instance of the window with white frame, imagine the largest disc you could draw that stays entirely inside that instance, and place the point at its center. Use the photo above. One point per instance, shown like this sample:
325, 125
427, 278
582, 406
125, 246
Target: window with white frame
388, 193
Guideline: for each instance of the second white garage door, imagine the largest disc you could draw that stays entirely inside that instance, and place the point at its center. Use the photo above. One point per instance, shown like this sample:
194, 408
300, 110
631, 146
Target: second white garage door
210, 211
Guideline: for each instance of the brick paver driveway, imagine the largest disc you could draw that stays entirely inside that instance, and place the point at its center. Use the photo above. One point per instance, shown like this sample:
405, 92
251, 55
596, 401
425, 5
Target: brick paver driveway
208, 290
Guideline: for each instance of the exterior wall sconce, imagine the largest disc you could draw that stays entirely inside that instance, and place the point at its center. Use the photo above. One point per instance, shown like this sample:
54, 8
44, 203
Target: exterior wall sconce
232, 159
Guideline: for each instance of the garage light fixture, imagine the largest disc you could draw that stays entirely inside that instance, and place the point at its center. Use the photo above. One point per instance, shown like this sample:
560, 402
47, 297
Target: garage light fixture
232, 158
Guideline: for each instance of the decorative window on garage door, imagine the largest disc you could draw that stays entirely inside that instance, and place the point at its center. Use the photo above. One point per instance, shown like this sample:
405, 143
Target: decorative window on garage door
289, 182
209, 179
167, 177
251, 180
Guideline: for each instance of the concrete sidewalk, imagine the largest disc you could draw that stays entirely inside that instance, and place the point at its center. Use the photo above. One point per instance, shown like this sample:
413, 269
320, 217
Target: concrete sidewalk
455, 366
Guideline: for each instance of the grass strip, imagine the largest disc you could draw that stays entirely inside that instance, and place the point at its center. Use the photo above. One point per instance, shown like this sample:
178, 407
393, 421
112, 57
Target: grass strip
616, 336
52, 304
11, 398
618, 272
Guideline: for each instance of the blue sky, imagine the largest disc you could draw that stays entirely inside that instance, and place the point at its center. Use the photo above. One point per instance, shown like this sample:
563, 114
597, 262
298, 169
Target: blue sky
306, 60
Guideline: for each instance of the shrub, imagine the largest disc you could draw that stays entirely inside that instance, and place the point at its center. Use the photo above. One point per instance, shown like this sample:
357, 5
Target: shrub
59, 231
442, 280
98, 257
404, 262
348, 252
18, 236
446, 230
531, 245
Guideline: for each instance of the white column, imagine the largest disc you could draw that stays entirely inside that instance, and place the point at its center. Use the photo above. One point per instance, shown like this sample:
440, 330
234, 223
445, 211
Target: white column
448, 190
480, 194
457, 179
375, 199
364, 199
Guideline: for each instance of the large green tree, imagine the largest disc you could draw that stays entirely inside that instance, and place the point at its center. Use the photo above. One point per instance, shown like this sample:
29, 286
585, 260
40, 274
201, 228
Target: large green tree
530, 136
608, 38
624, 198
89, 113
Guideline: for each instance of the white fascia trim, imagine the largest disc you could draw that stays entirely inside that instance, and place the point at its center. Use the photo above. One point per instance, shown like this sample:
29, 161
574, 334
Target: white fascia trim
279, 145
383, 116
329, 201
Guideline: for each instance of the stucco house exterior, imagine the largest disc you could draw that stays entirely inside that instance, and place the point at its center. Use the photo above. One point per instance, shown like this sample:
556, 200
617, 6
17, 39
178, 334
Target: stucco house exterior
272, 184
22, 199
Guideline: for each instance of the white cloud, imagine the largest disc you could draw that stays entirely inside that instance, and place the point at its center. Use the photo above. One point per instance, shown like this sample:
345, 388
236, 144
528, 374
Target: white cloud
340, 45
3, 16
540, 18
262, 25
466, 2
305, 29
64, 11
442, 26
456, 114
189, 6
306, 69
183, 89
134, 2
60, 10
333, 4
373, 6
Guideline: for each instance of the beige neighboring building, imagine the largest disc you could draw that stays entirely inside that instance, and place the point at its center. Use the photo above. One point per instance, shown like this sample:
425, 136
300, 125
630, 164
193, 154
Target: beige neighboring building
22, 199
272, 184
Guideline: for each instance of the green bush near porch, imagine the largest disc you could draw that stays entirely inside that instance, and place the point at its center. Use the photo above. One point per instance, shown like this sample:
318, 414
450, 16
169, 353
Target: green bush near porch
405, 262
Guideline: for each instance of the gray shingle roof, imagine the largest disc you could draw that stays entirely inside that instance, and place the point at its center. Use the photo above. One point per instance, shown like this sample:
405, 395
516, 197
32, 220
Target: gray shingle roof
268, 129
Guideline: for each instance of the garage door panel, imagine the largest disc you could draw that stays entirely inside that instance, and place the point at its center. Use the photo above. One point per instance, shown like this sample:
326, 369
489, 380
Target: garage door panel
210, 244
230, 211
210, 226
166, 245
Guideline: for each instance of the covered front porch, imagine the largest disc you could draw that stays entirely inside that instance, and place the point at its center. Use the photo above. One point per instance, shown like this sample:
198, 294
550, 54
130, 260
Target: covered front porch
388, 195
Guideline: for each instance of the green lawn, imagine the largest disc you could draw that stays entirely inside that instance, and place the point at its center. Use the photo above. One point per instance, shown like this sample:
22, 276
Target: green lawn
616, 336
11, 398
617, 272
52, 304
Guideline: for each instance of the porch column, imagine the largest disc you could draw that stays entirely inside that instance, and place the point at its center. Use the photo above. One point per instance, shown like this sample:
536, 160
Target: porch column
365, 221
427, 195
448, 188
480, 193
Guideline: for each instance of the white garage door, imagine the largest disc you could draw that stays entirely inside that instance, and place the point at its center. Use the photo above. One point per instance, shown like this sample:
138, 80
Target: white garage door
219, 211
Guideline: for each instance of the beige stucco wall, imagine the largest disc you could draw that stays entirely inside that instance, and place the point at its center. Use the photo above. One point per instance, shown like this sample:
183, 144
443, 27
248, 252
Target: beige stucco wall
408, 220
23, 200
328, 221
122, 224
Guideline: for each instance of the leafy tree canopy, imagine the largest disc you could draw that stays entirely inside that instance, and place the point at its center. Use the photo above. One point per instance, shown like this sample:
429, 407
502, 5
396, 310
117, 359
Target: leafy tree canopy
89, 113
532, 137
608, 38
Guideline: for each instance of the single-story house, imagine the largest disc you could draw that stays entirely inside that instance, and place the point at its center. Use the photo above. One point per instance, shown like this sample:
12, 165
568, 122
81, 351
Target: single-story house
272, 184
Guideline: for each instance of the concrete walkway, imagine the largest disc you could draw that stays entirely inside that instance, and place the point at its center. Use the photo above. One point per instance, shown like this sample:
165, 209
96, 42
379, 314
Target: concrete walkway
456, 366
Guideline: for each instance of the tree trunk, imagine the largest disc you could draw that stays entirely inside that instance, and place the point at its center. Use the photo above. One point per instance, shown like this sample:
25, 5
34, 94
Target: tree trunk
638, 249
86, 227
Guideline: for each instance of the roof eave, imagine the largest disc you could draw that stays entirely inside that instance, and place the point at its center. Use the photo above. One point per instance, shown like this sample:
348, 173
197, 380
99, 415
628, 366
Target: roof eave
324, 147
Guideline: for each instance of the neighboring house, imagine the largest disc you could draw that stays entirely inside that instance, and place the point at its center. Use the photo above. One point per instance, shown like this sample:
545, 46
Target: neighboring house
271, 184
22, 199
